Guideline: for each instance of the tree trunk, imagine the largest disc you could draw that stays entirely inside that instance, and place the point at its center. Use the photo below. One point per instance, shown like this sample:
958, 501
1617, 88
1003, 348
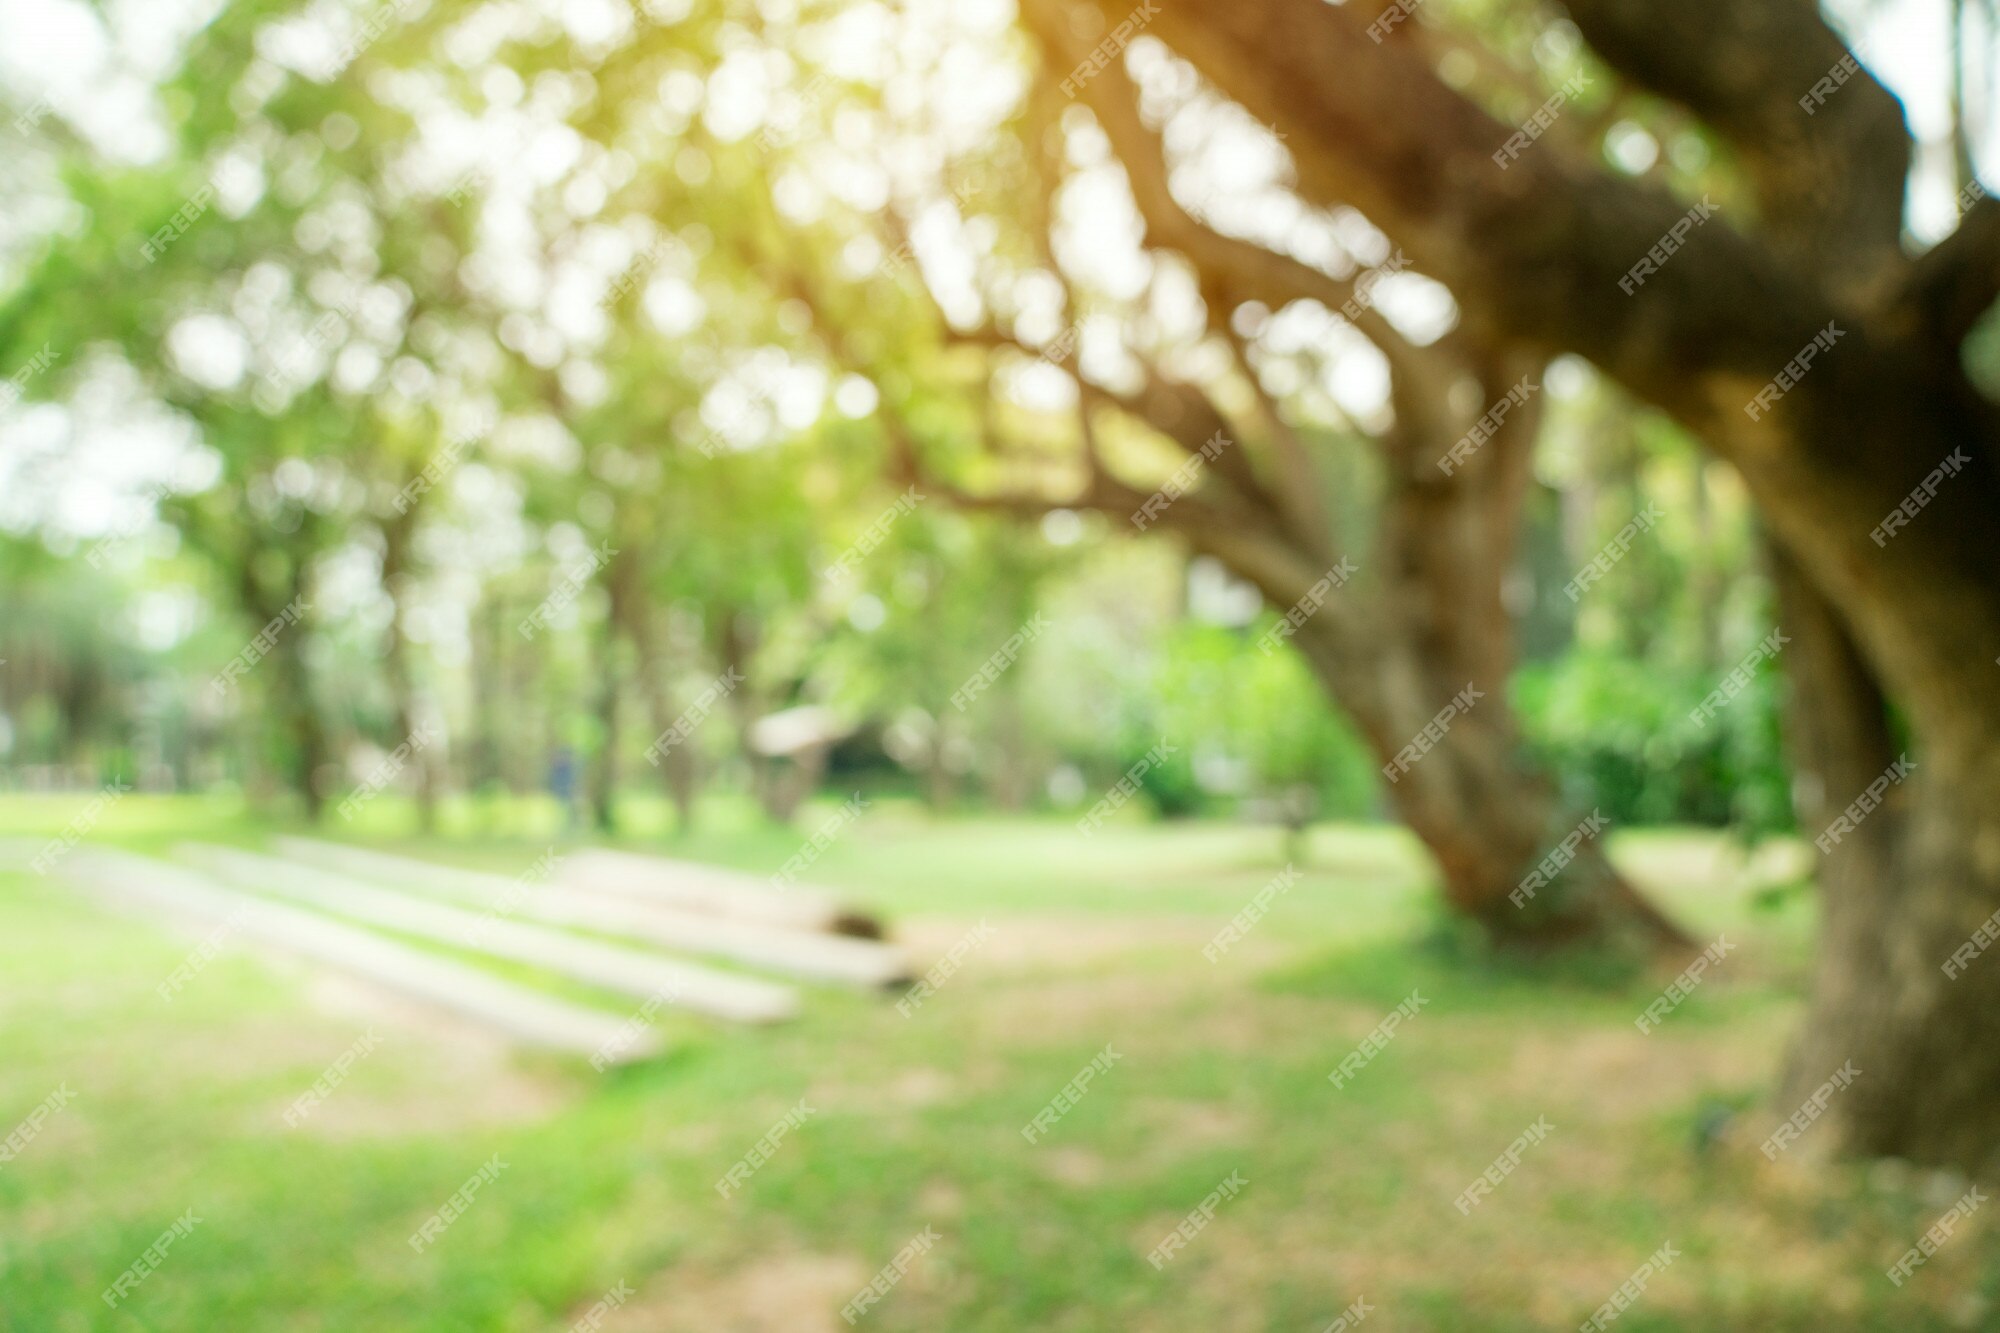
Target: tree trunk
679, 766
484, 768
1009, 781
604, 764
1428, 629
1895, 990
939, 784
1901, 985
302, 722
1423, 623
789, 780
734, 646
396, 537
540, 714
294, 699
1927, 1042
1490, 818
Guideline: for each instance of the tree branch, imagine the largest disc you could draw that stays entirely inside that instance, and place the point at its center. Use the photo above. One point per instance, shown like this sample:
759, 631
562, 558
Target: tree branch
1254, 271
1829, 173
1534, 251
1957, 280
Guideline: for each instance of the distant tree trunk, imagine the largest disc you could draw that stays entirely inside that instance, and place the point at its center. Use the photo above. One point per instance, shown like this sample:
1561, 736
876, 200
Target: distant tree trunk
679, 764
791, 779
294, 700
1296, 806
307, 733
1009, 781
733, 650
604, 765
525, 749
940, 787
397, 532
620, 580
483, 766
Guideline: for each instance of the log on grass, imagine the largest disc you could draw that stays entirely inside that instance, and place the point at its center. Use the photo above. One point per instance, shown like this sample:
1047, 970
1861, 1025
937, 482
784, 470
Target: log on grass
156, 888
819, 957
694, 887
615, 967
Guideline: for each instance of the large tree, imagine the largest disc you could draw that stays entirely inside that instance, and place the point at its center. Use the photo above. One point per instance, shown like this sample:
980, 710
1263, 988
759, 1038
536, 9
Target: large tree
1895, 625
1388, 543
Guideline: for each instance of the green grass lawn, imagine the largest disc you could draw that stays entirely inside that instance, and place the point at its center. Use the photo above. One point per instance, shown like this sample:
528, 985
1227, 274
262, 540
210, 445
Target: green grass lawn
916, 1120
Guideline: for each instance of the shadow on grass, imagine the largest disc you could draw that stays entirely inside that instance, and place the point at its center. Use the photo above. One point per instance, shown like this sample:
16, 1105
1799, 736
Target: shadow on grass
1453, 968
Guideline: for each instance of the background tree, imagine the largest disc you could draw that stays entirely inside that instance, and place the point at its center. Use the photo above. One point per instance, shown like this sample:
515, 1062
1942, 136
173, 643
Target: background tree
1428, 546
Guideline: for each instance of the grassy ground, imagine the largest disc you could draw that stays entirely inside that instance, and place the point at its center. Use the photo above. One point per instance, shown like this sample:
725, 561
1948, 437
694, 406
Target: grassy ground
917, 1120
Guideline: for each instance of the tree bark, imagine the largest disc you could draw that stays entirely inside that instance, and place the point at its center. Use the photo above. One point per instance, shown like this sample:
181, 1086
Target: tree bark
1900, 895
1927, 1042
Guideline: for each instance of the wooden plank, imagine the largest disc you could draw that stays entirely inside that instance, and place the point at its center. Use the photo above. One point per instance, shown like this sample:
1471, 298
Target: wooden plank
837, 958
694, 887
153, 888
704, 989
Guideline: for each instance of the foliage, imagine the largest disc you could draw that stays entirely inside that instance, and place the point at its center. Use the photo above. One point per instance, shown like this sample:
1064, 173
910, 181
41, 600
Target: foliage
1621, 735
492, 299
